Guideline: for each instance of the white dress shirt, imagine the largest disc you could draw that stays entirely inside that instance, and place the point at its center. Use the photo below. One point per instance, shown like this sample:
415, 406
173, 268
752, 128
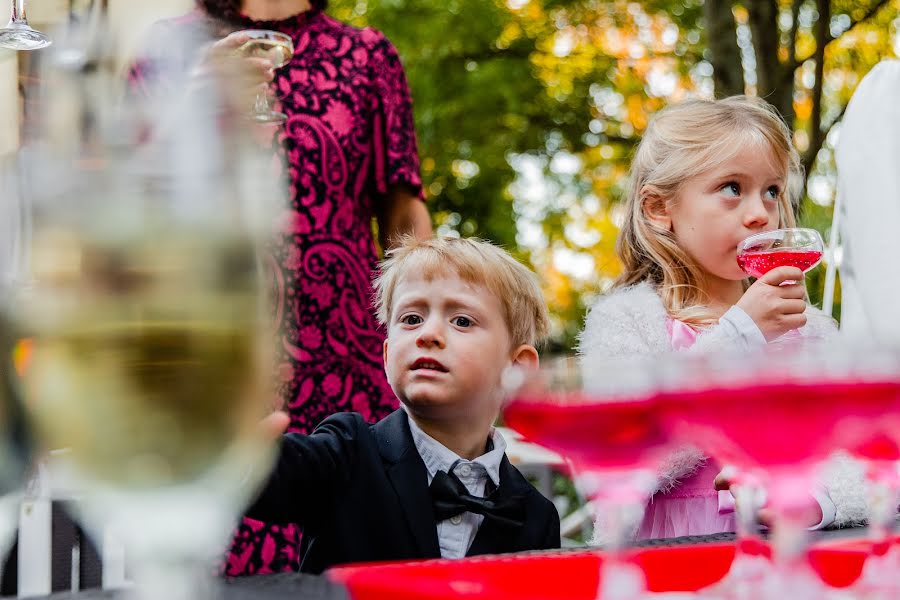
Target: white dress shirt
456, 534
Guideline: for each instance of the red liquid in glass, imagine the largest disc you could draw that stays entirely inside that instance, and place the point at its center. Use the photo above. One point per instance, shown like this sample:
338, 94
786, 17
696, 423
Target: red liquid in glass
788, 425
758, 264
603, 435
880, 445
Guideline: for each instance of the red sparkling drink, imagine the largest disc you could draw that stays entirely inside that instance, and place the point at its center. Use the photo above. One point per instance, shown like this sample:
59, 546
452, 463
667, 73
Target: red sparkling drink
758, 264
776, 425
592, 433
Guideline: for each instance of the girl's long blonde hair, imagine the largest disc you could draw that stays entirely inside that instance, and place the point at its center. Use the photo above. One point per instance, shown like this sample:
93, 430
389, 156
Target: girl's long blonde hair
682, 141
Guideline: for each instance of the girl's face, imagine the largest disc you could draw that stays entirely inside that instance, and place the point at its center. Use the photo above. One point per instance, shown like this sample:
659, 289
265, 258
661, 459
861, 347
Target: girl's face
714, 211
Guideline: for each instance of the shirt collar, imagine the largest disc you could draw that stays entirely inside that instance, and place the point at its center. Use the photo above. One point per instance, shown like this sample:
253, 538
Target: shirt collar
438, 457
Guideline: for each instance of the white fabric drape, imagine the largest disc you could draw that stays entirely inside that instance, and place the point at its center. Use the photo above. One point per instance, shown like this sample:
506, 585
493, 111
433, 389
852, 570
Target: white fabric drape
868, 163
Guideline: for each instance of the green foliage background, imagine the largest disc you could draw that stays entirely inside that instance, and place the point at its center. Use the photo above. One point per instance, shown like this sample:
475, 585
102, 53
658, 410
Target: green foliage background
527, 110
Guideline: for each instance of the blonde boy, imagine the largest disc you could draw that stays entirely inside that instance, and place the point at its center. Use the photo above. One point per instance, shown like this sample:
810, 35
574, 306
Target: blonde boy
432, 479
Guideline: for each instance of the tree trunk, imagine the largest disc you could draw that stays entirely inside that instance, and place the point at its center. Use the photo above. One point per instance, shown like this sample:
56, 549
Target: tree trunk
816, 132
773, 82
725, 55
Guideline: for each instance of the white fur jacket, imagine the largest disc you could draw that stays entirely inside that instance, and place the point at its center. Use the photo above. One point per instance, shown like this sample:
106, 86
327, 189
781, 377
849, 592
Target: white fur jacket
632, 322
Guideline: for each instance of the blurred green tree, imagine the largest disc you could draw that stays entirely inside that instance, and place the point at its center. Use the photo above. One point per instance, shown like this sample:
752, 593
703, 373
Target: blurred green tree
527, 110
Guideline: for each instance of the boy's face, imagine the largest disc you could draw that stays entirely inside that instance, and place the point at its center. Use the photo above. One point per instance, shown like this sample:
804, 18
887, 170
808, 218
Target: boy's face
447, 347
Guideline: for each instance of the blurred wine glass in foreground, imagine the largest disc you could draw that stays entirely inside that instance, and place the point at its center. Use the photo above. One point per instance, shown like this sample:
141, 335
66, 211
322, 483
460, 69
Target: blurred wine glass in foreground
148, 319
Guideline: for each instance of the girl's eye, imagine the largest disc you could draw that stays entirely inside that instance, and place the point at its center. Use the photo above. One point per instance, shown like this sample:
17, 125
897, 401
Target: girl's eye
411, 319
773, 192
462, 322
731, 189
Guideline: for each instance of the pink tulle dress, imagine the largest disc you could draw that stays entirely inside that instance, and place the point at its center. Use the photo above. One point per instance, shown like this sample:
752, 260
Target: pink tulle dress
694, 507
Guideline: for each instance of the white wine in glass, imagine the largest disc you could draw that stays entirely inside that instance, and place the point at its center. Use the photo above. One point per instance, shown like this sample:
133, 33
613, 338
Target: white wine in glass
18, 34
273, 46
149, 365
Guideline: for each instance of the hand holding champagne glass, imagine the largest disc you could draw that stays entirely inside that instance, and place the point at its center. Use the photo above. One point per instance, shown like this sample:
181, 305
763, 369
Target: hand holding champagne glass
274, 47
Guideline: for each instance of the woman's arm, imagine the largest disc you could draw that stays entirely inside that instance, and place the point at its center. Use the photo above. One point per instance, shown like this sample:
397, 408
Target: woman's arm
400, 213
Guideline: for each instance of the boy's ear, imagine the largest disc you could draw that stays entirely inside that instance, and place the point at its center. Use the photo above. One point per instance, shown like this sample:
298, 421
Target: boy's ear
655, 208
526, 356
384, 353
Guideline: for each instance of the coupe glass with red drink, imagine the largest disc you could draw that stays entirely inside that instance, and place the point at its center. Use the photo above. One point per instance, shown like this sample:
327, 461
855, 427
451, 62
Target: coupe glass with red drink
793, 247
871, 432
603, 418
776, 414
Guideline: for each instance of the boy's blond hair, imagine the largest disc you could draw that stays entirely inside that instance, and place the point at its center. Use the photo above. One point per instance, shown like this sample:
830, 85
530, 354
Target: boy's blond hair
682, 141
476, 262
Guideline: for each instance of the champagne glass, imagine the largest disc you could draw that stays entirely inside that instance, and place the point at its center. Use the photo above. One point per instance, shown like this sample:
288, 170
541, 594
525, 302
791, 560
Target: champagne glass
276, 47
793, 247
775, 414
874, 437
146, 311
603, 419
18, 34
880, 578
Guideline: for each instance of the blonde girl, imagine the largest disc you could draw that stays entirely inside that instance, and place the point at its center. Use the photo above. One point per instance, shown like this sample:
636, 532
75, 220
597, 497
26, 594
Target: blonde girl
706, 175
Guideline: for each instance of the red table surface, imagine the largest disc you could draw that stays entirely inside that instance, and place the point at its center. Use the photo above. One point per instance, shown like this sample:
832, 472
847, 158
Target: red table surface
570, 575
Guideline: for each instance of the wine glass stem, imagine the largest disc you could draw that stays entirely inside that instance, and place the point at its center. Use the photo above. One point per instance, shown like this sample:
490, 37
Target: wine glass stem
750, 566
173, 579
18, 11
794, 576
883, 498
745, 511
619, 579
261, 106
879, 579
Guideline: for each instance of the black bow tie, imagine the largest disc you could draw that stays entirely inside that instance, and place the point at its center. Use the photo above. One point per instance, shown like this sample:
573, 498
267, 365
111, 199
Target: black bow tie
450, 498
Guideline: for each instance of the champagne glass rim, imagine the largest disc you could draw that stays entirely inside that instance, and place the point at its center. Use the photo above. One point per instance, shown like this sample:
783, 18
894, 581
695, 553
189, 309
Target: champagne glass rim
782, 231
570, 380
850, 361
265, 33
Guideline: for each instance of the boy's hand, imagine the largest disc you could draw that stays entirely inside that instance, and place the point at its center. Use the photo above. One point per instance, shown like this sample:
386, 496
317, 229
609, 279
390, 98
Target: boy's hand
274, 425
776, 308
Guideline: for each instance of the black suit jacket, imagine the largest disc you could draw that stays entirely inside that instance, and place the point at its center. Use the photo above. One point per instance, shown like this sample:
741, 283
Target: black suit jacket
360, 492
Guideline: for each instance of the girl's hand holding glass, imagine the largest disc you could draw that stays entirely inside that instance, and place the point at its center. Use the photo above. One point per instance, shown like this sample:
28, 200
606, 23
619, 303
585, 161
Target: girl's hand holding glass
775, 305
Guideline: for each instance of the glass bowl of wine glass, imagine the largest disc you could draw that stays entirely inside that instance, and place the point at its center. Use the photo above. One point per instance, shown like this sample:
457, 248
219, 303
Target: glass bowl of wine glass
276, 47
602, 418
793, 247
